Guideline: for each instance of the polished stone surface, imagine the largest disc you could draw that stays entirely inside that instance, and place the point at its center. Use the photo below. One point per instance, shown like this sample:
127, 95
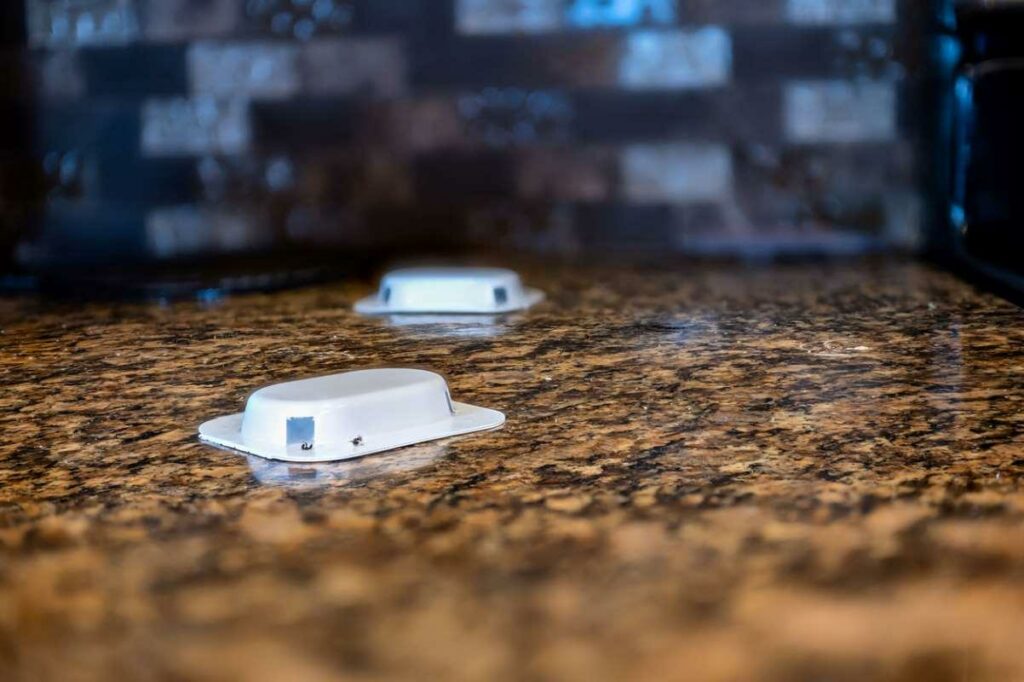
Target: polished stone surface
791, 473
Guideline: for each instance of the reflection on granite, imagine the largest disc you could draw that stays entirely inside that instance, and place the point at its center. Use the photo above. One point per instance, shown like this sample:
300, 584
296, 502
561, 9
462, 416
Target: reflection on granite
314, 475
453, 325
781, 474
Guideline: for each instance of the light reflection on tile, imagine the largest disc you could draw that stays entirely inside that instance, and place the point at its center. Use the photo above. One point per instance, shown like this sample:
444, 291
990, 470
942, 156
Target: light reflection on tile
612, 13
676, 59
301, 20
54, 23
502, 117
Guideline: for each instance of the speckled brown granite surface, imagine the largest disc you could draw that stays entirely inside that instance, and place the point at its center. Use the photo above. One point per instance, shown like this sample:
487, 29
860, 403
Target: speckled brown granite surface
803, 473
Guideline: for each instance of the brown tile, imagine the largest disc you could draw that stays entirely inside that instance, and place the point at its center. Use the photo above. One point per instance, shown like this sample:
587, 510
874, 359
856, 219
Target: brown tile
566, 174
181, 20
370, 66
414, 125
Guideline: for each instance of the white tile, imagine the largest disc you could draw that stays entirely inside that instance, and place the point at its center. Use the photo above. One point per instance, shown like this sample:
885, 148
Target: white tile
904, 219
676, 59
185, 230
202, 125
840, 111
508, 16
841, 12
257, 70
676, 173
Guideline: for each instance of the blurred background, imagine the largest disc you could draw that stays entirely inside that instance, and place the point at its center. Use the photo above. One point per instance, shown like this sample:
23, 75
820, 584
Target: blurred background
183, 131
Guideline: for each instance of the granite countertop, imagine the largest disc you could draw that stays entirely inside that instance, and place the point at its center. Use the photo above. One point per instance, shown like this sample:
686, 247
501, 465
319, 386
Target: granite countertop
788, 473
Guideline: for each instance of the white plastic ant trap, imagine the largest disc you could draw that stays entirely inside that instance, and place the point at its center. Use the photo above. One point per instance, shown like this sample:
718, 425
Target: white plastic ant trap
347, 415
449, 290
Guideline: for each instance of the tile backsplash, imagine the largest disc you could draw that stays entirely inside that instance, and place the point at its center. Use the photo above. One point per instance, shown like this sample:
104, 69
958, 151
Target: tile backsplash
195, 127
